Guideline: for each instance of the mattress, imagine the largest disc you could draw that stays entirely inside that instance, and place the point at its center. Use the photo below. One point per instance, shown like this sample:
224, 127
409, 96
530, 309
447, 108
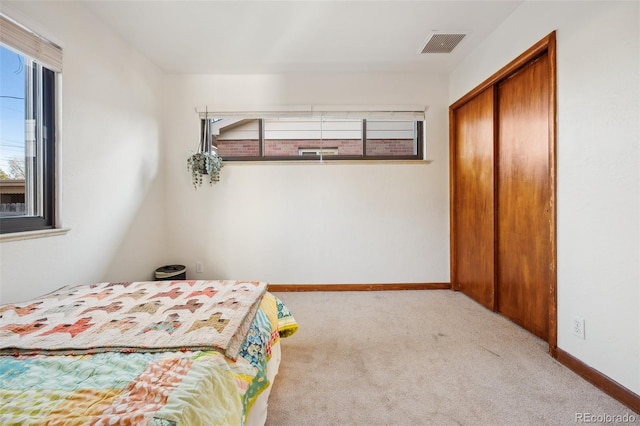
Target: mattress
158, 353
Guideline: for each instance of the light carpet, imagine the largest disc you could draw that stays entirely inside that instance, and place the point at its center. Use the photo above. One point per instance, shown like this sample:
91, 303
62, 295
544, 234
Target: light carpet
421, 358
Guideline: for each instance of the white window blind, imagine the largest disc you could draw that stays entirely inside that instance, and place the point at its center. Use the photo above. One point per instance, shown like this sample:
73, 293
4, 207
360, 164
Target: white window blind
15, 36
357, 112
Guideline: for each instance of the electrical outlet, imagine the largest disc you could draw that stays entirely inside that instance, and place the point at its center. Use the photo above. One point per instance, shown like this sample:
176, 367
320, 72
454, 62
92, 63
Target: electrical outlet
578, 327
199, 268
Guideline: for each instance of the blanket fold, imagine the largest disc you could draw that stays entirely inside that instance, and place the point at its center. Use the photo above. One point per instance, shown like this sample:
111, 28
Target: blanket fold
144, 316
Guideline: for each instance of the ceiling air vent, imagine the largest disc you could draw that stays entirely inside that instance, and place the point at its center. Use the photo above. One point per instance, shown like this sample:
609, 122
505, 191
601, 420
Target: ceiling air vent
442, 42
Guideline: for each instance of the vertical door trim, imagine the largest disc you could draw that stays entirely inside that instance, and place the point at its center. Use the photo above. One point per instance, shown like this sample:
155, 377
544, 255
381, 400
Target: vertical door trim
453, 270
546, 45
553, 304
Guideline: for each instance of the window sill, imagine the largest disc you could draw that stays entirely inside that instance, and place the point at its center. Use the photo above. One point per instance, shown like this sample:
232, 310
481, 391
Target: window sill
17, 236
307, 162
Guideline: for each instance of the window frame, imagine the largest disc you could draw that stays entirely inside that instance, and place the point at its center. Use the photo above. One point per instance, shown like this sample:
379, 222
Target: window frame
419, 156
46, 60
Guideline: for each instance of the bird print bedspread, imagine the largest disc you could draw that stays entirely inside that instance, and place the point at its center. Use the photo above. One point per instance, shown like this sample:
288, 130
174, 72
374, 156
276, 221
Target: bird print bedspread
133, 316
138, 387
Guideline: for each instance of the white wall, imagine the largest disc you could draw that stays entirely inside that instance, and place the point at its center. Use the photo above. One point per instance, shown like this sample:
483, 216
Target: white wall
310, 223
598, 165
111, 181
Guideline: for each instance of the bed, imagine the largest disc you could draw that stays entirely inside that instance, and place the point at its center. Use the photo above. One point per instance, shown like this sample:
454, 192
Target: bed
162, 353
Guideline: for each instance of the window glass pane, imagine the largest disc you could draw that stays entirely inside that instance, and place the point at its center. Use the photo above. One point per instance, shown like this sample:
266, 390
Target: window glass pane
28, 96
291, 137
236, 137
391, 138
13, 111
312, 136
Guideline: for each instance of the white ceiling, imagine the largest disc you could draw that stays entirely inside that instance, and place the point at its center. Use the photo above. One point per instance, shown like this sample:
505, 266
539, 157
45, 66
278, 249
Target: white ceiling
230, 37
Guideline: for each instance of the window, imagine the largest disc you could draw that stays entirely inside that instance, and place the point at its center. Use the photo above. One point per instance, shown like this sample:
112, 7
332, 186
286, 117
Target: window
328, 135
28, 79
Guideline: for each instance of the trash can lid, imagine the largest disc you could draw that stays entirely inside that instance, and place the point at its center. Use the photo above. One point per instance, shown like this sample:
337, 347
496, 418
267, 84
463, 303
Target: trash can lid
170, 270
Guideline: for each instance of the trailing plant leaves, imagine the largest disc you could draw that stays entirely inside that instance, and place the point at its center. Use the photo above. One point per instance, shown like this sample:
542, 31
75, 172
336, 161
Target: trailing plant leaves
202, 163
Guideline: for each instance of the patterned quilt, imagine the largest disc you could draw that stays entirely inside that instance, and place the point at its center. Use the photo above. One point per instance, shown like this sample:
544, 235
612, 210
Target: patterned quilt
149, 316
154, 387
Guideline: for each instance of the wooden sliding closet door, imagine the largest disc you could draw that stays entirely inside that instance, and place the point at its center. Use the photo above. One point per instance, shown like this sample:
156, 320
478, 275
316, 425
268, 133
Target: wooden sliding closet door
502, 161
473, 202
524, 218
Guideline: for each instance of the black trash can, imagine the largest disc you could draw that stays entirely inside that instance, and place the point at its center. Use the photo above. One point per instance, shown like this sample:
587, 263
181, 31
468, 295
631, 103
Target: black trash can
171, 272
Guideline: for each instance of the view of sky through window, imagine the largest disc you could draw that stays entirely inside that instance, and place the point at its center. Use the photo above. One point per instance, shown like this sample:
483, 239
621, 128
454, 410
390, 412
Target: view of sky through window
12, 111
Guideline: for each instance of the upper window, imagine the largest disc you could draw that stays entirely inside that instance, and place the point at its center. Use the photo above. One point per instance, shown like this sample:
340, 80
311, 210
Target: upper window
317, 137
27, 130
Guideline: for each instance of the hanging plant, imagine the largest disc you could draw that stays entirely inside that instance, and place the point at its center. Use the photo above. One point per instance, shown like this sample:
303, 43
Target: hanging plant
206, 161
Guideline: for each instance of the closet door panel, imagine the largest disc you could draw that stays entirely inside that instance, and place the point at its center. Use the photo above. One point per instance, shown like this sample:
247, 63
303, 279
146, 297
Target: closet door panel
524, 243
473, 202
